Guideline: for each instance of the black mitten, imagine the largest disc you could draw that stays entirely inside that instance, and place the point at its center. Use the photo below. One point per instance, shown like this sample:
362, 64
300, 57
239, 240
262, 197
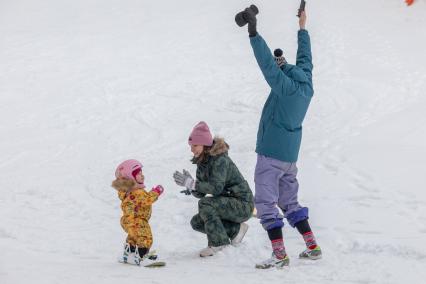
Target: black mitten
249, 15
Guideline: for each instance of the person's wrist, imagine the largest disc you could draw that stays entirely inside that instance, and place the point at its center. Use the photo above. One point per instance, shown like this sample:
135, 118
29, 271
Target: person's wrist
189, 183
158, 189
252, 30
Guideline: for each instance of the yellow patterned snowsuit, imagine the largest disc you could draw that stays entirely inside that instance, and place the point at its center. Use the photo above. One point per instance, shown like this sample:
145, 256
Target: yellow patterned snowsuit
136, 206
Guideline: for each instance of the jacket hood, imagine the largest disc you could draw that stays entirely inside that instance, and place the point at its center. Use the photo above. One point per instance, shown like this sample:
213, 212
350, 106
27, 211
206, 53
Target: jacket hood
123, 184
295, 73
219, 147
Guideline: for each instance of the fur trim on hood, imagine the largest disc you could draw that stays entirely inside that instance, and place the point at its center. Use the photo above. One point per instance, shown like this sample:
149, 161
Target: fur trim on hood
123, 184
219, 147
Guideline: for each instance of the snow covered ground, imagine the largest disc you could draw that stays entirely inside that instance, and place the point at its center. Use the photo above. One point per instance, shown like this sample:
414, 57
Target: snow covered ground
85, 84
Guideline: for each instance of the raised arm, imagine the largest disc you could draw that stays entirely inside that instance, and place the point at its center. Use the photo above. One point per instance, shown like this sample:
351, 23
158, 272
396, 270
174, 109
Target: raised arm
146, 198
277, 80
304, 54
275, 77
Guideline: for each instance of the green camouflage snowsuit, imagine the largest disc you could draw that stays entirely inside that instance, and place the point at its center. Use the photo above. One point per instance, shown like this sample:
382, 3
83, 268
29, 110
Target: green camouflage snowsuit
220, 215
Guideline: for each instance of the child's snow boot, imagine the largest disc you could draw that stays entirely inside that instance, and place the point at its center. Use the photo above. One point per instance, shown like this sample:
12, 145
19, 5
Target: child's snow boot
129, 256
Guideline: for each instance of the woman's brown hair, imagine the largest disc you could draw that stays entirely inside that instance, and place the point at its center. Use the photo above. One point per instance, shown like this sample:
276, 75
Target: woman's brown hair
203, 156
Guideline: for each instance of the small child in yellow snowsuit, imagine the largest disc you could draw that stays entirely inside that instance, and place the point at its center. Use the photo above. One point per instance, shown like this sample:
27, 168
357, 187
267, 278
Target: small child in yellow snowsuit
136, 204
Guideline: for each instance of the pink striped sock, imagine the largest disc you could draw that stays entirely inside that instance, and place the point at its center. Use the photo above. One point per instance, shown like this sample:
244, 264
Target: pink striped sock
278, 248
309, 239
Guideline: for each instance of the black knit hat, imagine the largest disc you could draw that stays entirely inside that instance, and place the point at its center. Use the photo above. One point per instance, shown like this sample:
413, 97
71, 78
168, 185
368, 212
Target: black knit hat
279, 58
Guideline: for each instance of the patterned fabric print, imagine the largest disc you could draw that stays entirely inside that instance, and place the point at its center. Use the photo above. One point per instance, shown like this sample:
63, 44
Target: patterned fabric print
136, 205
231, 228
219, 175
139, 234
220, 218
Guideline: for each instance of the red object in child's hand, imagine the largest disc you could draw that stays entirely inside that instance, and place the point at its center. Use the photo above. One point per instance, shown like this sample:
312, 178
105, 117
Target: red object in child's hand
158, 189
409, 2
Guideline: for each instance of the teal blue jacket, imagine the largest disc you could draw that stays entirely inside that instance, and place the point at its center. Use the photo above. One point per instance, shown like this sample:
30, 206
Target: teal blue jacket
280, 128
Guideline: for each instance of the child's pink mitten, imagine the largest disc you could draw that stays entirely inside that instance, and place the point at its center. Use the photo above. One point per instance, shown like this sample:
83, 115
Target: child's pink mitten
158, 189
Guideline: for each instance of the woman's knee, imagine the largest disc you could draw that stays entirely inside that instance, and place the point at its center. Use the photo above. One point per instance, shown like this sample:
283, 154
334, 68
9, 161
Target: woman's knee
205, 203
196, 222
206, 207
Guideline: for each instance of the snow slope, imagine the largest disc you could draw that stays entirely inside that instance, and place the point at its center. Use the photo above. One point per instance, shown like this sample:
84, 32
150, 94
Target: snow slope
86, 84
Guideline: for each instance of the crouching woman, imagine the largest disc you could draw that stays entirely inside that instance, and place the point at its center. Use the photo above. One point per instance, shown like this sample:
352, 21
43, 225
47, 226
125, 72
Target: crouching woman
226, 200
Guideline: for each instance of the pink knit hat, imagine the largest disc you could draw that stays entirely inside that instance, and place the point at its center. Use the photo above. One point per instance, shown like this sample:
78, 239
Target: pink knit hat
201, 135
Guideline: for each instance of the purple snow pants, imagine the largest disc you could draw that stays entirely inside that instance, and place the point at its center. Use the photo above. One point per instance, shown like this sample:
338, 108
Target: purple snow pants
276, 185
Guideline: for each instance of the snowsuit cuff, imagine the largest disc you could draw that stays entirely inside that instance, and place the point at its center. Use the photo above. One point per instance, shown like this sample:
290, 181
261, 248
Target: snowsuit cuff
297, 216
270, 224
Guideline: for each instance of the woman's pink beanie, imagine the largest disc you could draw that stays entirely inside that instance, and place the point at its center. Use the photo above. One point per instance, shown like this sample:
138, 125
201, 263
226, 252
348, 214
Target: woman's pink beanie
201, 135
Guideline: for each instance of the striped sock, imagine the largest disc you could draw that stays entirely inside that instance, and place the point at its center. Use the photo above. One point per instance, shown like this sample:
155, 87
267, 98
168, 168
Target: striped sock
278, 248
309, 239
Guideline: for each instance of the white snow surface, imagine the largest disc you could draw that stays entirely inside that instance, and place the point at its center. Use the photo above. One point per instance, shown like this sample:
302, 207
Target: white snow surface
85, 84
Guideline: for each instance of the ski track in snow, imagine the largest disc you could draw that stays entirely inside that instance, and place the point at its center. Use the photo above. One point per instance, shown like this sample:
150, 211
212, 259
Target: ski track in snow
79, 96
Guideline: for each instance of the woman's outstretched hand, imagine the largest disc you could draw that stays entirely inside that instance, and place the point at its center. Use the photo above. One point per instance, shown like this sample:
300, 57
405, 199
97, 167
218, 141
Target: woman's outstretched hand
184, 179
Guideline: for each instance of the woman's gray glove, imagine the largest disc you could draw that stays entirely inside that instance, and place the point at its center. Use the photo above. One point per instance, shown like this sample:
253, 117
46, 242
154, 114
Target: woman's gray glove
184, 179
